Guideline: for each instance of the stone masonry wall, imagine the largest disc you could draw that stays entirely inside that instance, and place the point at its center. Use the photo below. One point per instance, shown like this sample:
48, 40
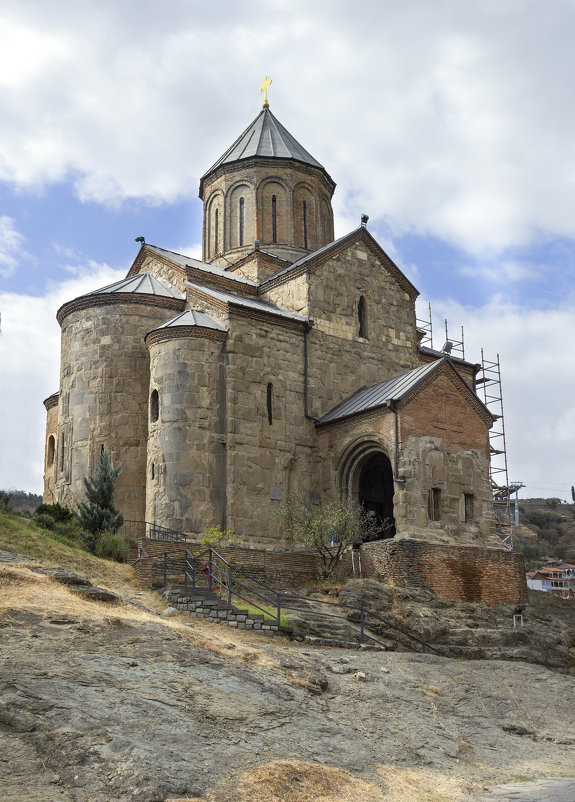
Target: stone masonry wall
264, 458
457, 573
186, 462
104, 400
51, 405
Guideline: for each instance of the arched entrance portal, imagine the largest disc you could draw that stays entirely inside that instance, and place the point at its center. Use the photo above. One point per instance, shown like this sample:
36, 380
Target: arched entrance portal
366, 475
375, 491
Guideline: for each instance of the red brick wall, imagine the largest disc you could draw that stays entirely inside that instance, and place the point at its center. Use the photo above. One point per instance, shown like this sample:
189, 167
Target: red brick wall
443, 409
457, 573
271, 567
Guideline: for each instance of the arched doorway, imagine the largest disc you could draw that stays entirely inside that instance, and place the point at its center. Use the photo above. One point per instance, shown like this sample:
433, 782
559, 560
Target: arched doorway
366, 474
375, 491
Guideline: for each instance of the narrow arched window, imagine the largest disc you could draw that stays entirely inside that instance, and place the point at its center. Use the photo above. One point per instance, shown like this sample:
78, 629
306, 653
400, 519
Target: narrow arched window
274, 219
270, 396
154, 406
241, 221
51, 449
216, 227
362, 317
153, 470
304, 224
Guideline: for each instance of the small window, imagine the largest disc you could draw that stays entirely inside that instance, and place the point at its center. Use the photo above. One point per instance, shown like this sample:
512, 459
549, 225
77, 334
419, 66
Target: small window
153, 471
304, 224
362, 317
434, 504
241, 221
51, 449
270, 395
154, 406
274, 219
468, 497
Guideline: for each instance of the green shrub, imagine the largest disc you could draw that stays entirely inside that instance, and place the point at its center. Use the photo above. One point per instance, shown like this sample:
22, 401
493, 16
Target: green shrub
112, 547
56, 511
44, 520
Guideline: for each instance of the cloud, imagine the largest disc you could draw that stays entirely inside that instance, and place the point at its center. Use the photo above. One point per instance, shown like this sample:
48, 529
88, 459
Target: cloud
30, 360
504, 272
447, 119
11, 250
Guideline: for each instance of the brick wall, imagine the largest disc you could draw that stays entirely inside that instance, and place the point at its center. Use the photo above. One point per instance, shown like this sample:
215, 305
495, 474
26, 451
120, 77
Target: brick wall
457, 573
271, 567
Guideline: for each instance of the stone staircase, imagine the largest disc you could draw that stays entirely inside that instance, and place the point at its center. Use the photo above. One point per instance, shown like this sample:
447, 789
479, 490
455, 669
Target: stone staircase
204, 603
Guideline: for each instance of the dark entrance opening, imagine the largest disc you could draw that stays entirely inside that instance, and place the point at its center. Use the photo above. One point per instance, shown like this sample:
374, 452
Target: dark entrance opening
376, 492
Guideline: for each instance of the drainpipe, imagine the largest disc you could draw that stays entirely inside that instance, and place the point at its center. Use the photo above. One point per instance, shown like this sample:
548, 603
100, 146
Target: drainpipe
307, 329
392, 406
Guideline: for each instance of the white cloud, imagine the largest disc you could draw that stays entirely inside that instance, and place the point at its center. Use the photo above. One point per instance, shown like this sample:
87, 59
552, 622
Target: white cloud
30, 364
451, 119
504, 272
11, 250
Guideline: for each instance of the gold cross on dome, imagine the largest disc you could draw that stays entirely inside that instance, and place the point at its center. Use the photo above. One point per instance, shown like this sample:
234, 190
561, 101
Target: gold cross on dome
264, 89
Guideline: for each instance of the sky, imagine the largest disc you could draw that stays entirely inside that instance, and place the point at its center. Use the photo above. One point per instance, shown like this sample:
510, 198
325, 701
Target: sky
449, 123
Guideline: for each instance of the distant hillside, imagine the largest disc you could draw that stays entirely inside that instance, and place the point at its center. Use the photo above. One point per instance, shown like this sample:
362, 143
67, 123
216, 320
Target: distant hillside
547, 529
20, 501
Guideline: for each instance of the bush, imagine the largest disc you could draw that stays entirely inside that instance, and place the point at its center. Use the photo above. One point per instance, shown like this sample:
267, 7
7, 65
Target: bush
56, 511
112, 547
44, 520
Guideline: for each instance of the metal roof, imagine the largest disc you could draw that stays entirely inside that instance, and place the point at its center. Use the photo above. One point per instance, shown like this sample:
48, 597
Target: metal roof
248, 303
379, 394
193, 317
142, 283
266, 137
188, 261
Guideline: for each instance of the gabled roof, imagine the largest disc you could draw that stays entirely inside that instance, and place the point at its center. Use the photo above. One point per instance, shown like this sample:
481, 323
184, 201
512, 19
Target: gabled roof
379, 394
324, 253
253, 304
142, 284
188, 261
392, 391
193, 317
265, 137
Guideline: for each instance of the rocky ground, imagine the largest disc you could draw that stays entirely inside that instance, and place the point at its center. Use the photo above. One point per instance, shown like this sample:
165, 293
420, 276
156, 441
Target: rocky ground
104, 701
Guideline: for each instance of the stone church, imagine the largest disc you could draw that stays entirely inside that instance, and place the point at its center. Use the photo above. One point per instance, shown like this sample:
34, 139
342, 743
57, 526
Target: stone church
284, 361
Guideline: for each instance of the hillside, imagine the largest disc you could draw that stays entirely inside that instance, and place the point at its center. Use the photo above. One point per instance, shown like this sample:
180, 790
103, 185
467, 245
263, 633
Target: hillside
547, 528
115, 702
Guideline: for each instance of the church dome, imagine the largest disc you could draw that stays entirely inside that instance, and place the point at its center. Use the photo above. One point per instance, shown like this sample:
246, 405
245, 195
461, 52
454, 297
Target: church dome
266, 188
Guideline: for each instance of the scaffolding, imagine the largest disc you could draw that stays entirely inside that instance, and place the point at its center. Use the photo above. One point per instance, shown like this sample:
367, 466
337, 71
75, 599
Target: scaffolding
426, 326
489, 379
452, 346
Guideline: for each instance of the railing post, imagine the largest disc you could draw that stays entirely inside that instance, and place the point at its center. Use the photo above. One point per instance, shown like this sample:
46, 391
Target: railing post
278, 606
361, 623
165, 568
210, 566
193, 570
229, 584
186, 568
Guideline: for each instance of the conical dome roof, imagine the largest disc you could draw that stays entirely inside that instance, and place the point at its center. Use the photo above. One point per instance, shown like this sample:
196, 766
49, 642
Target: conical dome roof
141, 284
265, 137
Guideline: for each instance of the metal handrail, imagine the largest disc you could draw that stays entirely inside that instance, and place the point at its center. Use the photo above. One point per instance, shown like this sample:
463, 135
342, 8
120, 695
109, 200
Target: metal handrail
151, 531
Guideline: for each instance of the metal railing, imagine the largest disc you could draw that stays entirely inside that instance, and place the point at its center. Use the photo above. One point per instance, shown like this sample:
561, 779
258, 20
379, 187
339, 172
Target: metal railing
136, 529
209, 569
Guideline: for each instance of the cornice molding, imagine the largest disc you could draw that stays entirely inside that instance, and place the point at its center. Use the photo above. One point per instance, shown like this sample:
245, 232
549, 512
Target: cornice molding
115, 299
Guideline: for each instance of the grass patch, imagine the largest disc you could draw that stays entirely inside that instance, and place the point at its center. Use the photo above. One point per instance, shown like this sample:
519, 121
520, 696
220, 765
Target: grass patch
19, 535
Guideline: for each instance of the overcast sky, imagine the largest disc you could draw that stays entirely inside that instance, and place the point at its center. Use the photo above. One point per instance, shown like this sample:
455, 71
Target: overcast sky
450, 123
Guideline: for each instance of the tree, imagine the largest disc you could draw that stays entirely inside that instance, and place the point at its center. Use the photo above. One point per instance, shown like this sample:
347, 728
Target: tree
330, 527
98, 514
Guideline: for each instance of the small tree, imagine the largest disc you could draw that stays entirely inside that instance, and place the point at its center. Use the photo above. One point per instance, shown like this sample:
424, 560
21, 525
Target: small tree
98, 514
329, 528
